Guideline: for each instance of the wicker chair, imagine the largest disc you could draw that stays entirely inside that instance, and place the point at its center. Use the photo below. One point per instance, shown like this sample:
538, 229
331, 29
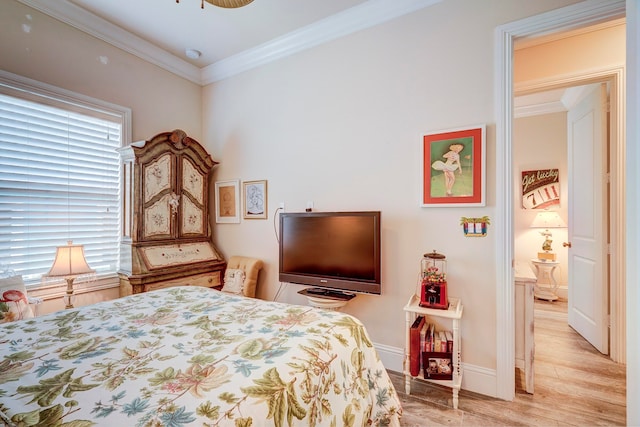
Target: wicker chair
251, 267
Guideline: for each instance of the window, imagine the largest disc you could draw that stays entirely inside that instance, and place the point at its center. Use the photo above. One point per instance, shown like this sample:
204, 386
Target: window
59, 178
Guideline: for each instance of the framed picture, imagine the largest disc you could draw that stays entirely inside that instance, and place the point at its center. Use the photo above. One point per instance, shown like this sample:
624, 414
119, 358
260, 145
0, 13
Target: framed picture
437, 366
255, 199
227, 197
541, 189
453, 167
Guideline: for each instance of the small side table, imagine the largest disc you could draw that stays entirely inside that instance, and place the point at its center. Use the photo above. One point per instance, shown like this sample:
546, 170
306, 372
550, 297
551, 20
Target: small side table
546, 286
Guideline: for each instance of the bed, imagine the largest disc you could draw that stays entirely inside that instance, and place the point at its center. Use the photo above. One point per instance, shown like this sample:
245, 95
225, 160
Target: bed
193, 356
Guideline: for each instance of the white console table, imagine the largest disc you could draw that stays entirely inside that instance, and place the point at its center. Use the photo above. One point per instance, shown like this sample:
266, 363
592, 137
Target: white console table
525, 282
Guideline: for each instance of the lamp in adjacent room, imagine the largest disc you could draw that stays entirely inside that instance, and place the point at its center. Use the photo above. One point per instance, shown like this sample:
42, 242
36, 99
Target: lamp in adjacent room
547, 220
69, 263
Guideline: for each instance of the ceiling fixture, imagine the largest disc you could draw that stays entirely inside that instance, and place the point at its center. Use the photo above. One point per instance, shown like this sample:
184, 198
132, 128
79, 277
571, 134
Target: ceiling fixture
228, 4
192, 53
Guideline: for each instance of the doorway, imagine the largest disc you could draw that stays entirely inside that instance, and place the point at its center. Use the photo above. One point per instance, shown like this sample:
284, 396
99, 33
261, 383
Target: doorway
590, 290
547, 138
543, 130
577, 15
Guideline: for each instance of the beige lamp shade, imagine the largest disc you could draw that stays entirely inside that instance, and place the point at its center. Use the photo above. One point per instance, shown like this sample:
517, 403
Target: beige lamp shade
69, 261
548, 219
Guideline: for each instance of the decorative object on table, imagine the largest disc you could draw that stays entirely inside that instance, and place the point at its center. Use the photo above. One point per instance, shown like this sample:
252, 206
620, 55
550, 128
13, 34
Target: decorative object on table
541, 189
547, 220
433, 281
227, 198
255, 199
69, 263
475, 227
453, 167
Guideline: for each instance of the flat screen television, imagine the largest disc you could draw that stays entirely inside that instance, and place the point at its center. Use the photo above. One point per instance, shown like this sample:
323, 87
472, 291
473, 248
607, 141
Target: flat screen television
331, 250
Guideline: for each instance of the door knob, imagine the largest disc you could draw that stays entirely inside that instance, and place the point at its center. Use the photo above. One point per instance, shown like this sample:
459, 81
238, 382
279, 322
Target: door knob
566, 244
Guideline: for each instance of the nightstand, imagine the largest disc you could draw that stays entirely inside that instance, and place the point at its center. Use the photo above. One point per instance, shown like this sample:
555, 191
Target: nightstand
546, 287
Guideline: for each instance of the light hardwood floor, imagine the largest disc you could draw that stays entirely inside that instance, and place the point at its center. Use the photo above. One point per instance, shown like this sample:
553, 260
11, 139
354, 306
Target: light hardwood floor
575, 385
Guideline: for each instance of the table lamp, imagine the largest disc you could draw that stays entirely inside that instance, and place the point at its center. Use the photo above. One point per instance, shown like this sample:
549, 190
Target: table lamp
547, 220
69, 263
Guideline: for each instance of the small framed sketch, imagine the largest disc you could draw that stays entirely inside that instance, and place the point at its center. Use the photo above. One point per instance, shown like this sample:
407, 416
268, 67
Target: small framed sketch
227, 197
255, 199
453, 163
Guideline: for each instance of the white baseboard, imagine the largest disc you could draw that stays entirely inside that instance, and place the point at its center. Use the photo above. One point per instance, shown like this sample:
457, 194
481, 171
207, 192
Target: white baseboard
563, 292
476, 378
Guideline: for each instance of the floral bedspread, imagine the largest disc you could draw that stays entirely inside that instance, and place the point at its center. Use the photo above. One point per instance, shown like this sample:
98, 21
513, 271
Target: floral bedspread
192, 356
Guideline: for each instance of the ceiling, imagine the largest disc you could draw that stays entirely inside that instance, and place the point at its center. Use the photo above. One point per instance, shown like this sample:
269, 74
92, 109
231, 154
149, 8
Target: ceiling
216, 32
234, 40
230, 40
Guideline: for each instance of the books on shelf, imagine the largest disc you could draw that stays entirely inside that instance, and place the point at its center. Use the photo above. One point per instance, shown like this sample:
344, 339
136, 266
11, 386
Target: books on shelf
414, 345
449, 341
430, 351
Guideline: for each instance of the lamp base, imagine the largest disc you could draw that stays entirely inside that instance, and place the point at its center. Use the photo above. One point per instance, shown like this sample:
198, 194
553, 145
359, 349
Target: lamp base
68, 296
546, 256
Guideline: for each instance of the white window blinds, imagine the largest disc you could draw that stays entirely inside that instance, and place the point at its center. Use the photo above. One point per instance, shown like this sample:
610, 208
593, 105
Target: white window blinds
59, 181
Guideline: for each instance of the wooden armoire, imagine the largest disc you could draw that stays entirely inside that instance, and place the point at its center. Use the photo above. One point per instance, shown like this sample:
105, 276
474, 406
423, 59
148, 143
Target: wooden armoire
166, 234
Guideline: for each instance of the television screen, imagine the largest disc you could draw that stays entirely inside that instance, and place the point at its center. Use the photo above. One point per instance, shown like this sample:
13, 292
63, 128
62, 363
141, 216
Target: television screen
335, 250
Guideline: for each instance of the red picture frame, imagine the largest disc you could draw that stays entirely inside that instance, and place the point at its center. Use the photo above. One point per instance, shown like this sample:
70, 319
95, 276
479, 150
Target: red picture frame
453, 167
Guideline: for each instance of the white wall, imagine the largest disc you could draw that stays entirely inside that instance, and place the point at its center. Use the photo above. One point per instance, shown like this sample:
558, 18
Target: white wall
59, 55
341, 125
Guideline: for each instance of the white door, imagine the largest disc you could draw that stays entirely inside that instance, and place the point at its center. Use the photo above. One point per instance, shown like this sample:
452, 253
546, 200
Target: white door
588, 207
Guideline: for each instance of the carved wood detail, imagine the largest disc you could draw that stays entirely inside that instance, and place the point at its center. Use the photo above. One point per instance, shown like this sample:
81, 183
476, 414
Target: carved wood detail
166, 236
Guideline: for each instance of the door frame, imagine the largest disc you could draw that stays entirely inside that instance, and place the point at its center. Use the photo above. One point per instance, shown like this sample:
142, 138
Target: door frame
570, 17
616, 203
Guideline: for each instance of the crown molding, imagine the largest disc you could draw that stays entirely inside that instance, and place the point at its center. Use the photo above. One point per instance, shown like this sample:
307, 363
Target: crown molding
75, 16
365, 15
538, 109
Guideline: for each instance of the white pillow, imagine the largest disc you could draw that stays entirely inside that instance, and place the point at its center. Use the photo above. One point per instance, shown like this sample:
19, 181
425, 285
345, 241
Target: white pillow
233, 281
14, 304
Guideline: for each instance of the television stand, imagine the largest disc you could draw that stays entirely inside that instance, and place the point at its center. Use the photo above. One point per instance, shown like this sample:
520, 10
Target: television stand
325, 298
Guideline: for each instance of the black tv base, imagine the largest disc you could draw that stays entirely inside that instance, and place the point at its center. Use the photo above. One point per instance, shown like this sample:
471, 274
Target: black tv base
327, 294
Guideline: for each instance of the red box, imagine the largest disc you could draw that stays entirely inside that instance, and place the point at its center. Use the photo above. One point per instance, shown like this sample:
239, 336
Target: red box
434, 295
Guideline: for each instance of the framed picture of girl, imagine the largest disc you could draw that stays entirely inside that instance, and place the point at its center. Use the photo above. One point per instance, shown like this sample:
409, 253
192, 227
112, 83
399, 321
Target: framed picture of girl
453, 167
